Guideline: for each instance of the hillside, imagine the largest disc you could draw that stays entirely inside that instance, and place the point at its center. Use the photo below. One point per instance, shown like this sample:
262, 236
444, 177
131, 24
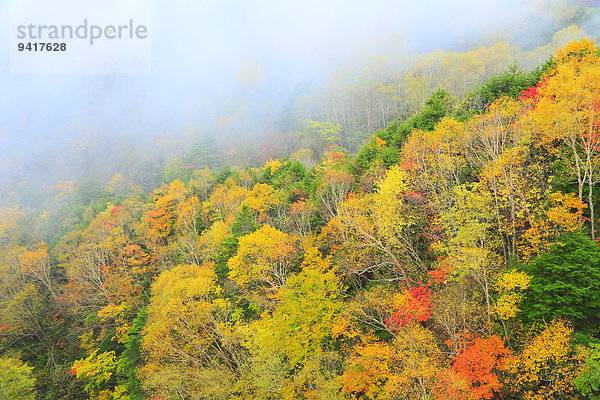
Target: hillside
454, 255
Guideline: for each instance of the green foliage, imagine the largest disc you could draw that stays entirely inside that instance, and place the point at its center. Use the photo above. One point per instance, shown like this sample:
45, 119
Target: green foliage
16, 380
131, 357
588, 382
290, 173
510, 83
97, 371
223, 174
244, 222
565, 283
436, 108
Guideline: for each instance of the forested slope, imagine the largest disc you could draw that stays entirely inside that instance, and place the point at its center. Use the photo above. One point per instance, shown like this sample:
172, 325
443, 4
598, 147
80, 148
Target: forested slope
455, 256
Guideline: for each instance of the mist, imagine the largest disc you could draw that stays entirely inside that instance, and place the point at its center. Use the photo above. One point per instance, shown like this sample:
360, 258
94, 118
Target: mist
229, 60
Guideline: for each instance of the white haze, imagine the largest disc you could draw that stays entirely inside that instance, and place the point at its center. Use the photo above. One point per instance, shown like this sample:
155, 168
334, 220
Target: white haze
197, 48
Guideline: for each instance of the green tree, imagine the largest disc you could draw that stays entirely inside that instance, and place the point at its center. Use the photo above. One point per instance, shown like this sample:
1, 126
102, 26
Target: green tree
436, 108
565, 283
16, 380
510, 82
588, 381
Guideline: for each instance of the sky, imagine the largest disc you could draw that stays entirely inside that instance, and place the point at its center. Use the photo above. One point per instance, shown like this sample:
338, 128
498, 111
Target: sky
198, 47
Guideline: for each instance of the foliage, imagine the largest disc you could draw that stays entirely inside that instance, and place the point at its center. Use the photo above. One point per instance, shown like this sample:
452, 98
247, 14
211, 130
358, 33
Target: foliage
547, 365
588, 381
564, 282
475, 372
264, 258
510, 286
511, 82
16, 381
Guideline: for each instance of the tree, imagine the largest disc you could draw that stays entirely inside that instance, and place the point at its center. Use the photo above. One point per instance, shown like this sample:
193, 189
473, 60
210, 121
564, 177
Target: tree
316, 135
301, 323
406, 367
412, 305
188, 225
376, 228
547, 366
27, 304
225, 200
474, 374
567, 109
261, 199
496, 143
162, 217
263, 260
335, 186
565, 283
97, 371
564, 214
291, 347
16, 380
510, 286
510, 82
188, 329
103, 264
436, 108
467, 249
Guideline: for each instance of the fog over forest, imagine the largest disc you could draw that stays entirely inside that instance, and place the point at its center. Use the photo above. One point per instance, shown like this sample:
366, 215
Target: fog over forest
239, 71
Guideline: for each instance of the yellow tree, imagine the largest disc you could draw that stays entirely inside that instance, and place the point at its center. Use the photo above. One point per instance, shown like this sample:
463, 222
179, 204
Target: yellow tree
407, 367
564, 213
435, 160
189, 331
297, 335
225, 200
261, 199
510, 286
465, 247
568, 110
547, 366
374, 228
263, 261
497, 145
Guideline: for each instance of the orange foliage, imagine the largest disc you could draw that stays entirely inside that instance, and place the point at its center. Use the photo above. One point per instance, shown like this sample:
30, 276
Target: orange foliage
473, 375
415, 306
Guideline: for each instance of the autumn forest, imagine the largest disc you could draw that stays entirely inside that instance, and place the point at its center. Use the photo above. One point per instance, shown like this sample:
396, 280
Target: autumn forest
448, 250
